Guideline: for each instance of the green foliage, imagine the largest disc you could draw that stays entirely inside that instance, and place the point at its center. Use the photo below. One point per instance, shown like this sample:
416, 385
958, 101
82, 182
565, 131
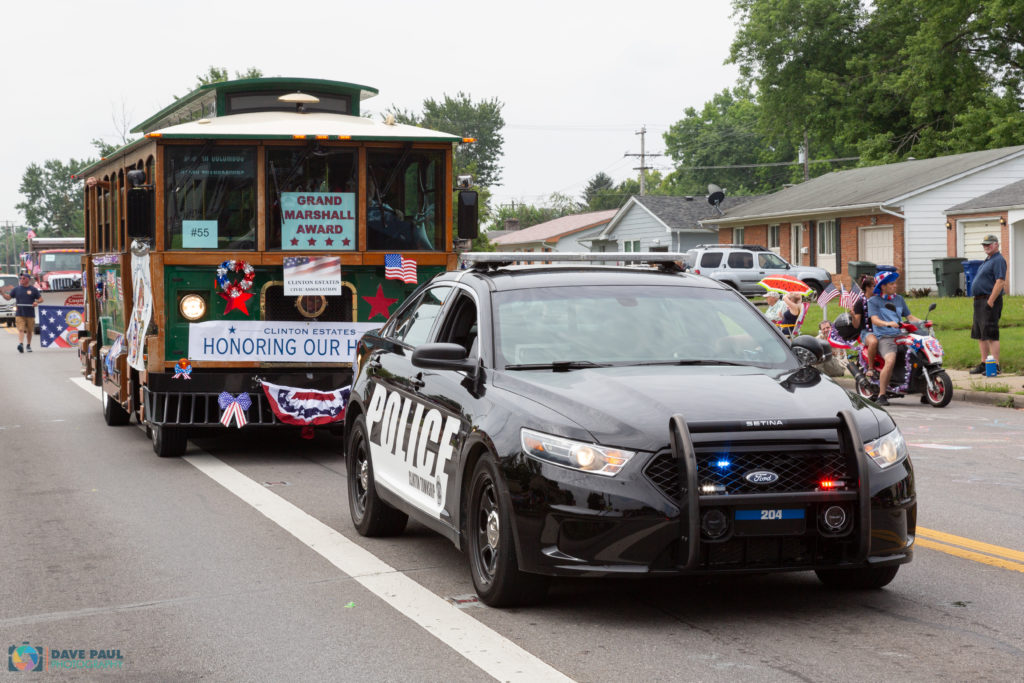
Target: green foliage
220, 74
601, 182
527, 215
483, 243
461, 116
728, 131
886, 79
53, 198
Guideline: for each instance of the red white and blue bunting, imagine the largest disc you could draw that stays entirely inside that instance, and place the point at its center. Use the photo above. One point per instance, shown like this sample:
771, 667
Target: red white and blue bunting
234, 408
306, 407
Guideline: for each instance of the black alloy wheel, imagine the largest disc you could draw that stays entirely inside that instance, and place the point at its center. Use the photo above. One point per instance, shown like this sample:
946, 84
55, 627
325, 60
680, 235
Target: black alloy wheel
370, 515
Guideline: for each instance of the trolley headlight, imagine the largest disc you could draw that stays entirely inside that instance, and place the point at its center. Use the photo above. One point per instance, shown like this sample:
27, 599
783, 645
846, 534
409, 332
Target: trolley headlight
192, 307
888, 449
576, 455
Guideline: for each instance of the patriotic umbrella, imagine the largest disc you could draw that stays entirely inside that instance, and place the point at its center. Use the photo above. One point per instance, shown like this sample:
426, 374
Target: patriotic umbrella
306, 407
785, 283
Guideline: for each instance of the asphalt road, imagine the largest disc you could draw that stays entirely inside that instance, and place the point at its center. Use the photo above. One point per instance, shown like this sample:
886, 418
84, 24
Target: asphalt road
239, 562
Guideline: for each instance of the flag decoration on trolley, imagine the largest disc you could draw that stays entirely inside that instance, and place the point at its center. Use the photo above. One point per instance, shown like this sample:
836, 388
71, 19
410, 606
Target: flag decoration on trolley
297, 266
306, 407
850, 298
234, 408
397, 267
827, 295
59, 325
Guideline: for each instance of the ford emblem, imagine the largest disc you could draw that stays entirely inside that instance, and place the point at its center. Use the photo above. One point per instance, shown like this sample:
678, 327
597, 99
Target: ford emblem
761, 477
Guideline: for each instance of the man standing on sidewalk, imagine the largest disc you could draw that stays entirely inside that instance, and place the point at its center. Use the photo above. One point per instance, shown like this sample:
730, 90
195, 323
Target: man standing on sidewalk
27, 297
987, 288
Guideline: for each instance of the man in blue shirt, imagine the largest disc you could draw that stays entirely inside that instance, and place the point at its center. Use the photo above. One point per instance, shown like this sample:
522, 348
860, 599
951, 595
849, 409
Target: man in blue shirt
886, 309
27, 297
987, 288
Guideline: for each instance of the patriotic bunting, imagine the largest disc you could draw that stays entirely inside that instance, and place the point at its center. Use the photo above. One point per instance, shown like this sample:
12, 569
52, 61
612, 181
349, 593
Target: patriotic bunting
306, 407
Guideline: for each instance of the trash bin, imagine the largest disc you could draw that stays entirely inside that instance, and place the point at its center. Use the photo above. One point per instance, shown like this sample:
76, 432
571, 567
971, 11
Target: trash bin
858, 268
970, 270
947, 274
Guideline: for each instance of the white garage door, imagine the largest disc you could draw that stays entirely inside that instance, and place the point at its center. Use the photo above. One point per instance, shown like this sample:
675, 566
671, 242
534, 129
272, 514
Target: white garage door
974, 233
876, 245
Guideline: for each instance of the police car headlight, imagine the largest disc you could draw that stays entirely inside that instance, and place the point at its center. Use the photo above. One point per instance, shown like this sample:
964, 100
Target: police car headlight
888, 449
576, 455
192, 307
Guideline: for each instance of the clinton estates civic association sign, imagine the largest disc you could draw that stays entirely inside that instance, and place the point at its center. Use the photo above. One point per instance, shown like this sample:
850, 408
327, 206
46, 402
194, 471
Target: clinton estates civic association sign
275, 342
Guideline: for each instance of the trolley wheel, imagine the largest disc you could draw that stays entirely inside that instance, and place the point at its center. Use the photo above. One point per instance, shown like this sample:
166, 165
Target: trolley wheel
113, 414
169, 442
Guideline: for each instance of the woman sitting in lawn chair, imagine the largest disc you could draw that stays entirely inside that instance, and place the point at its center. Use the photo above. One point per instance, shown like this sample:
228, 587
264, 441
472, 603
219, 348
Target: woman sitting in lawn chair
793, 317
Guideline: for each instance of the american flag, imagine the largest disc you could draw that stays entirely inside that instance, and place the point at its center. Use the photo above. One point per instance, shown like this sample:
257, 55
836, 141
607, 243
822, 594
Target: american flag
398, 268
827, 295
300, 266
59, 325
848, 299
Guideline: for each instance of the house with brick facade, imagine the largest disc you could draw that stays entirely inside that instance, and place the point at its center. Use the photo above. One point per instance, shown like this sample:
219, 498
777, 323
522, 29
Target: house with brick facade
1000, 213
893, 214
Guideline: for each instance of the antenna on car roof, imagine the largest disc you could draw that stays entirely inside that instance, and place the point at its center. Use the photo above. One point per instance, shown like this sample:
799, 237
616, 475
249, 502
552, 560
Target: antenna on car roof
715, 197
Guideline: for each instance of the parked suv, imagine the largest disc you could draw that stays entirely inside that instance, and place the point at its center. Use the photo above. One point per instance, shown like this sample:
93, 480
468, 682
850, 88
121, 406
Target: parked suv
742, 266
7, 307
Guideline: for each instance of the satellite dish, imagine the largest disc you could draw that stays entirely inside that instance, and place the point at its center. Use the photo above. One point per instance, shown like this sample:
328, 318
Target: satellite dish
715, 196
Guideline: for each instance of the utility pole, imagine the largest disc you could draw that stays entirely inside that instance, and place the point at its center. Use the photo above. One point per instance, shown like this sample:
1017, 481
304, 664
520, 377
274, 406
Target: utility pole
643, 159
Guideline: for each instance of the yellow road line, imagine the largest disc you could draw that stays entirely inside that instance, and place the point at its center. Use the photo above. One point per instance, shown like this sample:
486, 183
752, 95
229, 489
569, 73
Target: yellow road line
996, 550
969, 555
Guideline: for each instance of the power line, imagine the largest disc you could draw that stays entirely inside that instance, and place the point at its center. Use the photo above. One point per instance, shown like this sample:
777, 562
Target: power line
769, 163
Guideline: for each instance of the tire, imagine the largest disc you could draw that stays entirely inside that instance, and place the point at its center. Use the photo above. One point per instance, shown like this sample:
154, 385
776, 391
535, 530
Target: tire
491, 546
370, 515
113, 414
943, 393
816, 286
169, 442
866, 578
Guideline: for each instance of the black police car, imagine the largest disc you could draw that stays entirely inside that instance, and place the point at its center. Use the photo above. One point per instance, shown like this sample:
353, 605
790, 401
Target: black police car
585, 420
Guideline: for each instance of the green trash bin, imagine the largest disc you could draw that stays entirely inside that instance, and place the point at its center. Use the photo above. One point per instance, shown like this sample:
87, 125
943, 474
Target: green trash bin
858, 268
947, 274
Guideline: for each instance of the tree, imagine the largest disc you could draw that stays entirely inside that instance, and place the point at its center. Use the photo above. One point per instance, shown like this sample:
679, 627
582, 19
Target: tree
461, 116
526, 215
600, 181
53, 199
220, 74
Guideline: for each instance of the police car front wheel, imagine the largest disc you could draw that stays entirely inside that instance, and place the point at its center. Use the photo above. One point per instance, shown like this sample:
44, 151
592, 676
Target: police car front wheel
370, 515
492, 553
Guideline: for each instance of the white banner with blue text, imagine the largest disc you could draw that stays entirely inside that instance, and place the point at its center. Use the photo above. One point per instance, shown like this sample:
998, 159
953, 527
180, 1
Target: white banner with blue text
275, 342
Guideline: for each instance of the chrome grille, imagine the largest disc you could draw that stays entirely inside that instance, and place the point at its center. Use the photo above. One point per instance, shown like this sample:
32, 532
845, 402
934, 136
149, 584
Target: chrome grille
279, 307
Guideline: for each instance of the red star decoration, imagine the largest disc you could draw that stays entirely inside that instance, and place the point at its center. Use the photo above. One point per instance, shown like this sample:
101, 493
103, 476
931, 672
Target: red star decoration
295, 241
236, 302
312, 241
329, 241
379, 304
346, 241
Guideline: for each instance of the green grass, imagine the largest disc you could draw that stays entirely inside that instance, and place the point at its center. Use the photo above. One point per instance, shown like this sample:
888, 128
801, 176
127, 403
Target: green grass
953, 317
996, 388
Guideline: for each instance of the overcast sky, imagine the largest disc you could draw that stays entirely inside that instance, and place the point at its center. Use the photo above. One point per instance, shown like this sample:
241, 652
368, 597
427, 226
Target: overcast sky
578, 79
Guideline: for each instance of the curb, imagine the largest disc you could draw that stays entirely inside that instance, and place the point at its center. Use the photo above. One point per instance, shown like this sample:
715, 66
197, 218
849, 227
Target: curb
991, 398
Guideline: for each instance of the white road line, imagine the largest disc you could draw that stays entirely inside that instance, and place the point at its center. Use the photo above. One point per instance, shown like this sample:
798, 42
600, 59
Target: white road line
484, 647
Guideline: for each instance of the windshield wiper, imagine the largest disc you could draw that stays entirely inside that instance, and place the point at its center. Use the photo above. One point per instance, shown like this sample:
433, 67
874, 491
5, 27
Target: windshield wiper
690, 362
558, 365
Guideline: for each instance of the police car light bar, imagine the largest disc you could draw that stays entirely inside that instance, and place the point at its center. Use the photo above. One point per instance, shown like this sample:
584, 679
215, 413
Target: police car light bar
500, 258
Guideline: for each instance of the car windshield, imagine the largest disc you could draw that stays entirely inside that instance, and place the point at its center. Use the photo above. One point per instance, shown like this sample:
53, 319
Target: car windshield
622, 325
61, 261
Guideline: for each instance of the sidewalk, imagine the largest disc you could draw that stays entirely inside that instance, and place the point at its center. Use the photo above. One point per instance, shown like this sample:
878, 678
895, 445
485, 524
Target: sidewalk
968, 387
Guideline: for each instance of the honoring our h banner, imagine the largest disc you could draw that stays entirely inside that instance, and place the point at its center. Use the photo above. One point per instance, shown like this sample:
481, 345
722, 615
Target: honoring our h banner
59, 325
275, 342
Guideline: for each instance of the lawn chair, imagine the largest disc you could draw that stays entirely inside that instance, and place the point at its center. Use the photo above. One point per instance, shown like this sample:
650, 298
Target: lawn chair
793, 330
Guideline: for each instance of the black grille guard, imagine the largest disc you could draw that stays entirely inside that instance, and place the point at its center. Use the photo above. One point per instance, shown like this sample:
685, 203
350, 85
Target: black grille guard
683, 451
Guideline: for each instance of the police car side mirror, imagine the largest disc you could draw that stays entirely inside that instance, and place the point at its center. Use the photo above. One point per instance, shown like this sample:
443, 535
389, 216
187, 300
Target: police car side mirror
809, 349
442, 356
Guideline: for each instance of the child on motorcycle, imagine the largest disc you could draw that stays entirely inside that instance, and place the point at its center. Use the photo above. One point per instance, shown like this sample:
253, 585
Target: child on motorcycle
886, 309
